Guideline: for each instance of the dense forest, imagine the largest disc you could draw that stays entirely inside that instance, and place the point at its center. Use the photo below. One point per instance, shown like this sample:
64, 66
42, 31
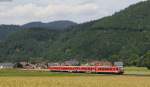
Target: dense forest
124, 36
5, 30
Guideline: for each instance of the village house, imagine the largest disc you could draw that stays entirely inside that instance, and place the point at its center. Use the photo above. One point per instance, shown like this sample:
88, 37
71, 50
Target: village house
41, 66
101, 63
6, 65
53, 64
27, 65
72, 62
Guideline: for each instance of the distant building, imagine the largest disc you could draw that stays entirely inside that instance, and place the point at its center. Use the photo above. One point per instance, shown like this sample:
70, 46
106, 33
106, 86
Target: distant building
71, 63
41, 66
101, 63
53, 64
65, 63
120, 64
6, 65
27, 65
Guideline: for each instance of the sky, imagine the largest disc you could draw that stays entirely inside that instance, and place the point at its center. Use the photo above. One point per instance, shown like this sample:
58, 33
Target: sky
24, 11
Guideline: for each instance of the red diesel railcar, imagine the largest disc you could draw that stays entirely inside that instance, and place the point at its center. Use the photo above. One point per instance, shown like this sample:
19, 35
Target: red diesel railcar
90, 69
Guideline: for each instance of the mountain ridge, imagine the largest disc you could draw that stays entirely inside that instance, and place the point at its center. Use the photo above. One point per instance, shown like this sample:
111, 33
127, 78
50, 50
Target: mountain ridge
5, 30
134, 17
59, 25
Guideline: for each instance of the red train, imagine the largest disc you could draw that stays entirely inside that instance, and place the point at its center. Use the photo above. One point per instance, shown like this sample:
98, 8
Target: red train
89, 69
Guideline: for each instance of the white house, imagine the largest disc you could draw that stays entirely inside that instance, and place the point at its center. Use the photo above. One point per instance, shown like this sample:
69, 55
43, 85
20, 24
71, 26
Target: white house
6, 65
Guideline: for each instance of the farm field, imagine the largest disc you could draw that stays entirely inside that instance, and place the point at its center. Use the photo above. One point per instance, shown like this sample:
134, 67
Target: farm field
134, 77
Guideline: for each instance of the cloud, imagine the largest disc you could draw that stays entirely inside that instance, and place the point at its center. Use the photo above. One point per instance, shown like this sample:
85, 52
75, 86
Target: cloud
49, 10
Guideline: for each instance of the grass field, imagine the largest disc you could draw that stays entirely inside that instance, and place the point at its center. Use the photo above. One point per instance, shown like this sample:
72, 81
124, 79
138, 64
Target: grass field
18, 78
22, 73
137, 70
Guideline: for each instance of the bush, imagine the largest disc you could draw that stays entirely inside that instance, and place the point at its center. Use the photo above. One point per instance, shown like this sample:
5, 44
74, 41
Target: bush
147, 60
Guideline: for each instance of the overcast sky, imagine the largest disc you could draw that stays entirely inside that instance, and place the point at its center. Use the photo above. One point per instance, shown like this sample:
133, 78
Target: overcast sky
23, 11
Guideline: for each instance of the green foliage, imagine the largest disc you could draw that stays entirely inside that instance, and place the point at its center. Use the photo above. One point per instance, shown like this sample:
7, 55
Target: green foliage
136, 17
26, 45
5, 30
147, 59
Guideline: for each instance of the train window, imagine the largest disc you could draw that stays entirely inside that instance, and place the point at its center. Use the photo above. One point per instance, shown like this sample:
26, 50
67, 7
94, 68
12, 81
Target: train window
84, 68
89, 68
99, 69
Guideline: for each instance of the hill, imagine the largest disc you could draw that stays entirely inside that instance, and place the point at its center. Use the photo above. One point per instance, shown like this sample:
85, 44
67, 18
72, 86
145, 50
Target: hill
124, 36
134, 17
5, 30
56, 25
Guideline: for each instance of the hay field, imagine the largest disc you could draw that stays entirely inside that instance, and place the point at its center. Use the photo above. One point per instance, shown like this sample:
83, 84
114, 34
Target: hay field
75, 81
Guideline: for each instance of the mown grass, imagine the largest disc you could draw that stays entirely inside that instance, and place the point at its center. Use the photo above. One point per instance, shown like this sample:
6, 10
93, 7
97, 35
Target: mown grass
137, 70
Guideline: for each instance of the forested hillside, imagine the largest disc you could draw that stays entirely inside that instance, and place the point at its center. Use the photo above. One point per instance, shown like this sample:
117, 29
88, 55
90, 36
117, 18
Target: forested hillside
136, 17
56, 25
5, 30
124, 36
